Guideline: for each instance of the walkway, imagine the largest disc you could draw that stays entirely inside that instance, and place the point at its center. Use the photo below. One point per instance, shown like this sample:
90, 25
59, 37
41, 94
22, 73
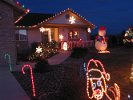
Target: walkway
9, 87
59, 58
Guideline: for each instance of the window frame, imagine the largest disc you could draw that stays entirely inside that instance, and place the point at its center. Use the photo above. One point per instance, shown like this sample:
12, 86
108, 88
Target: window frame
19, 35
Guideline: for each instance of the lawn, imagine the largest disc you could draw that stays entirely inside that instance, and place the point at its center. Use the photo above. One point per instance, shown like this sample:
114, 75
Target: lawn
67, 80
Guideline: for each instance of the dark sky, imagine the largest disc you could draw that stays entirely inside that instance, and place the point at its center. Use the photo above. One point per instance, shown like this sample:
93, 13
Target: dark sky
116, 15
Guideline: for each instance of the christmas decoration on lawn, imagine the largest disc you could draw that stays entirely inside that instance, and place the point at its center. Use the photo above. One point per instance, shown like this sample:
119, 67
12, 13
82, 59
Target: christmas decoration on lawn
131, 76
65, 46
97, 79
128, 37
8, 58
101, 41
38, 49
31, 76
44, 51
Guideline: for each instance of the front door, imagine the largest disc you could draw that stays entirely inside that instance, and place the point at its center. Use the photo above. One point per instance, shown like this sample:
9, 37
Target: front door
45, 37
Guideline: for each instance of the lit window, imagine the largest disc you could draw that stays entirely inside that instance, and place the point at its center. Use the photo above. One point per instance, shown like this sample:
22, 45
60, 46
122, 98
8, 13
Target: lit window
21, 35
73, 35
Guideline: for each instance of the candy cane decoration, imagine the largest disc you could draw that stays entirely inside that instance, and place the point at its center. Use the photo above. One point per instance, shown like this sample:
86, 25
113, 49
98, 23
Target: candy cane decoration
31, 76
7, 56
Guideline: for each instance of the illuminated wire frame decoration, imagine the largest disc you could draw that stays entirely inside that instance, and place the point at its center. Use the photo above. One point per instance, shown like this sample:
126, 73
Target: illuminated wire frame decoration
65, 46
97, 78
131, 76
31, 76
89, 30
8, 57
38, 49
61, 37
42, 29
128, 37
72, 20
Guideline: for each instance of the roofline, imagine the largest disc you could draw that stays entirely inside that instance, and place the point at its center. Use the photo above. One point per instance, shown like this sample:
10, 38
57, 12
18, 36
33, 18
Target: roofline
17, 9
92, 26
64, 11
15, 6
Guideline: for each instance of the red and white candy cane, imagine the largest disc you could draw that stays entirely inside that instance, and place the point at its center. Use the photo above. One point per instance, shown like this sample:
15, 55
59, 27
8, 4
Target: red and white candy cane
31, 76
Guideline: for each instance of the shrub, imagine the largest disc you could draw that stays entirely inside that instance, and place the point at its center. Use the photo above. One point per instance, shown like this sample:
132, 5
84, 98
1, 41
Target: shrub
48, 49
41, 66
79, 52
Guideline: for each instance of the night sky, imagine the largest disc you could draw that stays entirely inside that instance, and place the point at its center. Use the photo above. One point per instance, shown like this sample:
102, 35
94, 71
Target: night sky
116, 15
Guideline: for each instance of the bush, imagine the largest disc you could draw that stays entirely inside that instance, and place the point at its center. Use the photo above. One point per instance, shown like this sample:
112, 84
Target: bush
79, 52
48, 49
41, 66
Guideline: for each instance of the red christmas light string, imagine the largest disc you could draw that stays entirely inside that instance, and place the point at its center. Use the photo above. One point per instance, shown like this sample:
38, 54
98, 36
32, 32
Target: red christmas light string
31, 76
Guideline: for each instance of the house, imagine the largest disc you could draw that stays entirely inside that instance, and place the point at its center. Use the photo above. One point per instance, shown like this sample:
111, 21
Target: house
9, 13
66, 26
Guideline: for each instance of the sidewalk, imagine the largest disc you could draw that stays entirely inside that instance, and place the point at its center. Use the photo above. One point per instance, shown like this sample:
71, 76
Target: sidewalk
9, 87
59, 58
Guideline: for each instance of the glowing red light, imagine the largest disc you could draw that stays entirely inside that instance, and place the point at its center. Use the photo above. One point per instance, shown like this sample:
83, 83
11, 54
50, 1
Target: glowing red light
31, 76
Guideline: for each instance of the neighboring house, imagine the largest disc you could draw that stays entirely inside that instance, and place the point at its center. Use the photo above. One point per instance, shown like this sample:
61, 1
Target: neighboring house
9, 13
64, 26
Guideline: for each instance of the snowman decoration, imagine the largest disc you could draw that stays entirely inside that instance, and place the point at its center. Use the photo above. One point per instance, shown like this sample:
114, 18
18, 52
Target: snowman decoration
101, 40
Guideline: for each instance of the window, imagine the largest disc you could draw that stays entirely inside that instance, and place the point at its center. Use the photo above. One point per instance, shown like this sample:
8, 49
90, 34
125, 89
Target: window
73, 35
21, 35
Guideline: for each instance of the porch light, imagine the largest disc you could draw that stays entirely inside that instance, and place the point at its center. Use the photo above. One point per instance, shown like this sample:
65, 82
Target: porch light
72, 20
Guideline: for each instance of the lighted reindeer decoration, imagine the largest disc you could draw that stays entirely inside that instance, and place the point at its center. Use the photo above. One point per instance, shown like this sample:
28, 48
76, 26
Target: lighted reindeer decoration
97, 78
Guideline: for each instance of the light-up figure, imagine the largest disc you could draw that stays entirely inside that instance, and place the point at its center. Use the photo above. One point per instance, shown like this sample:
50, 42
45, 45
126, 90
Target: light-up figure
101, 41
97, 79
31, 76
131, 76
65, 46
8, 57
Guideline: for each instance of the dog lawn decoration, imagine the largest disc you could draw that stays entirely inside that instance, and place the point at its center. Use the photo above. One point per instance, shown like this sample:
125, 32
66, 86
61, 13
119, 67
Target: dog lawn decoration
97, 79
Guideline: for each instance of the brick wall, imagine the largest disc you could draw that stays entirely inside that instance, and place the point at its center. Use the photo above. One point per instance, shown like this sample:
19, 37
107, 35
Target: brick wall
7, 34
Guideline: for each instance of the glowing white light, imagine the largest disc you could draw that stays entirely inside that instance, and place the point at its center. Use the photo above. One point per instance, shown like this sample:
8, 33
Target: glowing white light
38, 49
129, 96
126, 34
89, 30
97, 86
42, 29
72, 20
65, 46
61, 37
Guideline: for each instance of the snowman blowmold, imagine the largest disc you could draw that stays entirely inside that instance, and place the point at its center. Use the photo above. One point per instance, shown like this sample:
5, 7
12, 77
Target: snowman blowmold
101, 41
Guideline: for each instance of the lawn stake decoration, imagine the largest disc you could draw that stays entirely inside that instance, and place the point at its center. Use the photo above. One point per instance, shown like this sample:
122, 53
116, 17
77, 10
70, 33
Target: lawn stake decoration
8, 57
31, 76
131, 76
97, 78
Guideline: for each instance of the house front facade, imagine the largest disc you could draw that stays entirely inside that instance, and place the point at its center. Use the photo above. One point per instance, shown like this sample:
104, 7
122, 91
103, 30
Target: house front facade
9, 13
66, 26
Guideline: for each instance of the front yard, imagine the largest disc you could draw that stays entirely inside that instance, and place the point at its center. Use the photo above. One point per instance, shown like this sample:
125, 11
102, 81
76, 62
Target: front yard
67, 81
